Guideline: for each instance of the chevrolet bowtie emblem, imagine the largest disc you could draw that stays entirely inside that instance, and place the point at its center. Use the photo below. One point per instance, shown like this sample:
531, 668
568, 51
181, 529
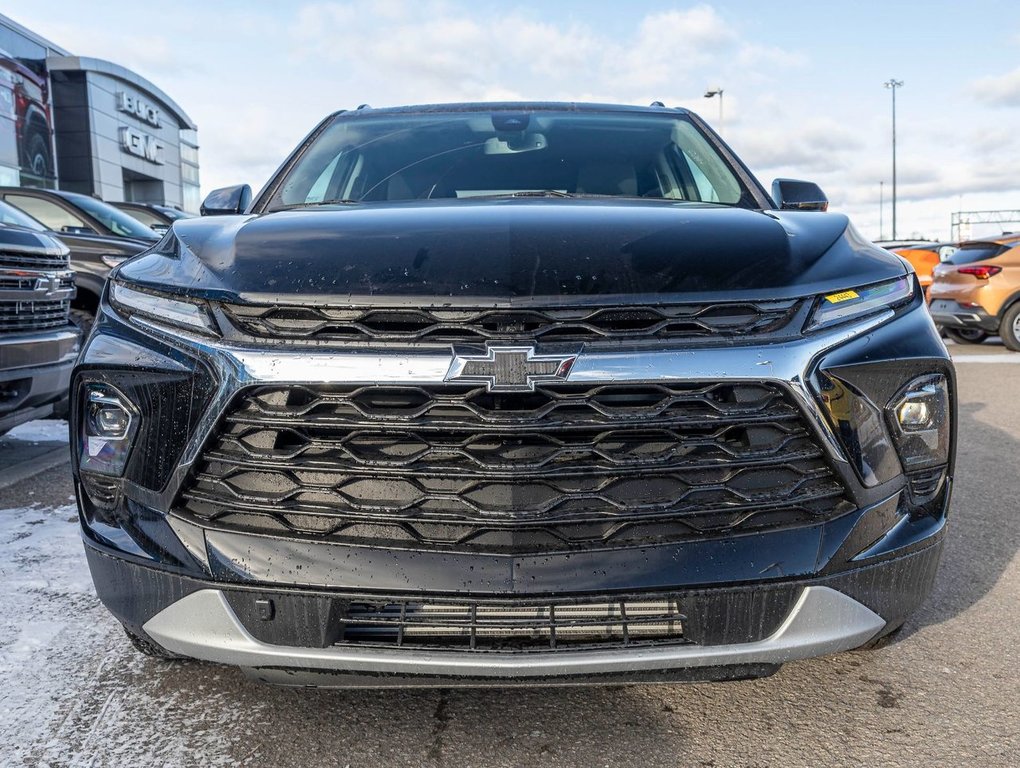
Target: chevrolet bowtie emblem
509, 369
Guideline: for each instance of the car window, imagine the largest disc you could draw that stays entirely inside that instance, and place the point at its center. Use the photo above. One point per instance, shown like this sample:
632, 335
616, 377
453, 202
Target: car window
471, 154
54, 216
173, 214
16, 217
971, 252
116, 221
147, 218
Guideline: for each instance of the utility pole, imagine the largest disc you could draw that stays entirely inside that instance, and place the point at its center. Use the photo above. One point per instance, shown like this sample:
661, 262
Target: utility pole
881, 210
892, 84
717, 92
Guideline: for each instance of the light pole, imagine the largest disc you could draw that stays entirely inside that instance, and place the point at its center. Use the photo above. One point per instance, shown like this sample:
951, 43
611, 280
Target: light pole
717, 92
892, 84
881, 210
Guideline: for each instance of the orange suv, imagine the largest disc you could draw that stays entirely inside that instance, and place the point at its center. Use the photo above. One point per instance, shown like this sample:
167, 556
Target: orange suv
975, 293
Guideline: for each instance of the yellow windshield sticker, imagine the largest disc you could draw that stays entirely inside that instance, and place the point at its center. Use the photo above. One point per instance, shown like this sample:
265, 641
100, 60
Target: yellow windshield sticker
836, 298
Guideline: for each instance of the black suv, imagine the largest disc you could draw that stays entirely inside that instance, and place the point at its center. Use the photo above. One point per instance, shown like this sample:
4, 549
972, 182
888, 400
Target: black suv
513, 393
37, 343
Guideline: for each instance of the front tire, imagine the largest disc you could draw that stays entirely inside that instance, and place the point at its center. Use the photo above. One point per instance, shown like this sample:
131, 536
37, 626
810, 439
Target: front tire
1009, 328
966, 335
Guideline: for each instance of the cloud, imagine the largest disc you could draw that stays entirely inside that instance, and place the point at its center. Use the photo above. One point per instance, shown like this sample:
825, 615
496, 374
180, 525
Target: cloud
753, 55
821, 144
999, 90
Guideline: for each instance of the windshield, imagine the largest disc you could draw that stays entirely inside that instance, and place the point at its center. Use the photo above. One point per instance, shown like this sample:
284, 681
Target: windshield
11, 216
510, 153
172, 213
116, 221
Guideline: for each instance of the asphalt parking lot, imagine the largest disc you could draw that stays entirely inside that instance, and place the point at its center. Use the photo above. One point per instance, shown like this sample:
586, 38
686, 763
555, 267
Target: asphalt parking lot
73, 692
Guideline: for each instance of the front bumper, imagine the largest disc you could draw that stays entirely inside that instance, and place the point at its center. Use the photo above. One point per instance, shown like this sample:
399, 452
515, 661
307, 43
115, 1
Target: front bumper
35, 372
751, 601
776, 623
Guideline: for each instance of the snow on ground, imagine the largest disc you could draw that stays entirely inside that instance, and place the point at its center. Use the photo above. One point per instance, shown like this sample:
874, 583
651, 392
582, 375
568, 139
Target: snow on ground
49, 430
72, 690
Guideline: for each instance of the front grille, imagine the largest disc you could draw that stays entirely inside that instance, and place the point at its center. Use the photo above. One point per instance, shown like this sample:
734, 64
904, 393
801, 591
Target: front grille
18, 316
516, 626
448, 325
35, 259
564, 466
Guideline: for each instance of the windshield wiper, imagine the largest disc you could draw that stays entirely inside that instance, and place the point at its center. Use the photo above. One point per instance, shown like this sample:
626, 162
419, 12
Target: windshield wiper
338, 201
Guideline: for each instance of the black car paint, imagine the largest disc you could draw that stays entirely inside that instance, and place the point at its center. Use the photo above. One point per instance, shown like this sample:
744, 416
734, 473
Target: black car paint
512, 251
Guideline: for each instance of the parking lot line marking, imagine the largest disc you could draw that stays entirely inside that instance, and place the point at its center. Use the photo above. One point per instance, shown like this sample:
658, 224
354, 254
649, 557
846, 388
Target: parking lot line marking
986, 358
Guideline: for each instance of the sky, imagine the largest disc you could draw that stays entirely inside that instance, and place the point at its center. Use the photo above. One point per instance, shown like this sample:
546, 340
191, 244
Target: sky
802, 82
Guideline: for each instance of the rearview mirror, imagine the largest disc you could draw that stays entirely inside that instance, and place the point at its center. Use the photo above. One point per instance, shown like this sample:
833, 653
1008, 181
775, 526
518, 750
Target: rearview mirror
793, 195
227, 201
526, 142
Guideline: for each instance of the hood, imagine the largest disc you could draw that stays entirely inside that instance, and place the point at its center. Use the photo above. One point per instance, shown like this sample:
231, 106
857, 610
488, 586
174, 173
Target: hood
19, 240
512, 250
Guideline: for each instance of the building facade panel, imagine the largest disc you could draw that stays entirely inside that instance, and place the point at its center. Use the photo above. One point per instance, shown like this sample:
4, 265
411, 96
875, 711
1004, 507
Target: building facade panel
99, 129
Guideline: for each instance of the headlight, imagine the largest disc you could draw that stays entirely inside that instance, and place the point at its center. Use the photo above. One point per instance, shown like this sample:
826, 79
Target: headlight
162, 309
852, 304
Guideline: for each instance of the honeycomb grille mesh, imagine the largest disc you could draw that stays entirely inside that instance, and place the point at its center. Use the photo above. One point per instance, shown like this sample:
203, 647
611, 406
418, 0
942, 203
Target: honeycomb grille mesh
459, 467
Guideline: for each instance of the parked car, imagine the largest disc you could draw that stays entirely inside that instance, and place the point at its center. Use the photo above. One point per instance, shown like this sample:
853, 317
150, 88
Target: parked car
75, 214
92, 258
158, 218
37, 342
976, 293
512, 394
924, 257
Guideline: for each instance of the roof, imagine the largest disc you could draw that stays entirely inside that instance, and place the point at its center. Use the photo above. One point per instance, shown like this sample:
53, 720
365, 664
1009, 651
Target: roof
88, 64
1007, 238
514, 106
34, 37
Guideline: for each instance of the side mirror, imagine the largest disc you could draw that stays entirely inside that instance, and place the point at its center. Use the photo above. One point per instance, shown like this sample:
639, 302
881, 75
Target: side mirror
227, 201
793, 195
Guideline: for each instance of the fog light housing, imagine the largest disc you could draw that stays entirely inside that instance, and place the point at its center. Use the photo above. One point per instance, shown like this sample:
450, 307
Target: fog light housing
919, 416
108, 424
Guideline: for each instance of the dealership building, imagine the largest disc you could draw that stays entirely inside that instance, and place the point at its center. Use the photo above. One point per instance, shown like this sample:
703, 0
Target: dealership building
87, 125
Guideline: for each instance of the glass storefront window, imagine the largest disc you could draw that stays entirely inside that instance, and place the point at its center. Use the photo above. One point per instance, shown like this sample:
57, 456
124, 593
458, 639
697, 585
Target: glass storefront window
191, 198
